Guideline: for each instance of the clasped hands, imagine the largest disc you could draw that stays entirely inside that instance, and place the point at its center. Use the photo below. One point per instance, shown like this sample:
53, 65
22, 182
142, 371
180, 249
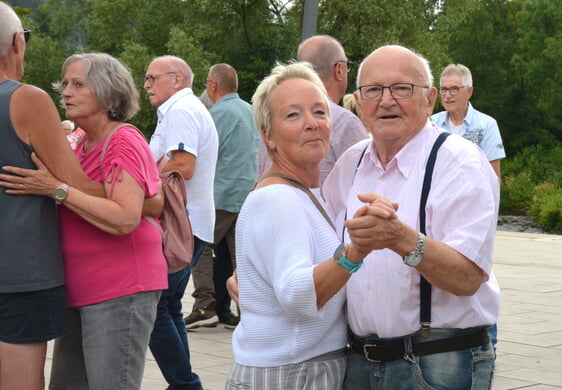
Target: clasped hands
374, 225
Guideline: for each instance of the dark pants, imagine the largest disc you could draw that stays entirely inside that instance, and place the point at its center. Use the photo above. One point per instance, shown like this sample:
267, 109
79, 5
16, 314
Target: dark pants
222, 270
168, 342
204, 282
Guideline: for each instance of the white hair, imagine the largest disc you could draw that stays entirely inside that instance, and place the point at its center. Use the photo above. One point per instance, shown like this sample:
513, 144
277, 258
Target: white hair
68, 122
460, 70
423, 61
10, 24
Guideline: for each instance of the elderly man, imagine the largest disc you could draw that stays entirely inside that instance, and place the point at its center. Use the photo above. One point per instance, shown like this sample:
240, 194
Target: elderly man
185, 133
32, 298
234, 178
328, 59
462, 119
396, 97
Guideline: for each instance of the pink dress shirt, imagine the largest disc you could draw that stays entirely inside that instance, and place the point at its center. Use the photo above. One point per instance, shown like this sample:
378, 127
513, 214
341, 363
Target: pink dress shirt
383, 296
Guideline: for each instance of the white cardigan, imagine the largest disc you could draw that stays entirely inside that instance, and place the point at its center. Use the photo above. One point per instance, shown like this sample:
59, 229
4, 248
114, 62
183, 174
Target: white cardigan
280, 237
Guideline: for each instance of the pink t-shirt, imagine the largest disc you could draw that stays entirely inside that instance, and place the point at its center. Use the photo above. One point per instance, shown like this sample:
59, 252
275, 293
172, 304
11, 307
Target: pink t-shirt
101, 266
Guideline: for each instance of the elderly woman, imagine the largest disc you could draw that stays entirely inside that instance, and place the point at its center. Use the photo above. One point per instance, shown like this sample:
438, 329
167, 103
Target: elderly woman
114, 265
292, 333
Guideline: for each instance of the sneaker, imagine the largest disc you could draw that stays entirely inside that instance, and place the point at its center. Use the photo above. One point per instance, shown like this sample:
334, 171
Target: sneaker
201, 318
229, 320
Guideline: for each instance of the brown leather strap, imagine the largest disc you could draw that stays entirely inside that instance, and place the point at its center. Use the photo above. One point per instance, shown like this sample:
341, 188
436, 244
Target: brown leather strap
304, 188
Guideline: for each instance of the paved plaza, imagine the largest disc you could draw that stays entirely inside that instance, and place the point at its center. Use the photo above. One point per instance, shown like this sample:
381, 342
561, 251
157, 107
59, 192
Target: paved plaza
529, 270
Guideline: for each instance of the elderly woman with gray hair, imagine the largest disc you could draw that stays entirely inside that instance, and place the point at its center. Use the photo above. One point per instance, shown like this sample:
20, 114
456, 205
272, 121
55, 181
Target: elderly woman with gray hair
292, 333
114, 265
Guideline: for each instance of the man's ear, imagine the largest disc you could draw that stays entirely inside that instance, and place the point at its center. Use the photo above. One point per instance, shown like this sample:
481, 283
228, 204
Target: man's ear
339, 73
431, 98
178, 79
17, 43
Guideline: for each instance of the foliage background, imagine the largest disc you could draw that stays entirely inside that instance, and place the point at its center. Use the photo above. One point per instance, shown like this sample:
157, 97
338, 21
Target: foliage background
513, 47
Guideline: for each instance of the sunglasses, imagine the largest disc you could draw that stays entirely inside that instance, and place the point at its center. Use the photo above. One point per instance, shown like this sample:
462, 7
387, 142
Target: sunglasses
26, 36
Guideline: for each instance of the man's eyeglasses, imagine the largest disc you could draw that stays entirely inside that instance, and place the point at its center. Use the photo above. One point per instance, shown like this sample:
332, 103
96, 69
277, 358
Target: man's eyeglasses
209, 81
398, 91
452, 90
151, 78
348, 63
26, 36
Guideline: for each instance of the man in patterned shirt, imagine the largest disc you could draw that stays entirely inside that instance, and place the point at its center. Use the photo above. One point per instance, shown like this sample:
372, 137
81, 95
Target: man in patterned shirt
462, 119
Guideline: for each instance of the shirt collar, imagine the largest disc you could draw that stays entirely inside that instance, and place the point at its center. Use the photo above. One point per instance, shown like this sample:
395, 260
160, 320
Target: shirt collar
469, 118
227, 97
405, 160
164, 107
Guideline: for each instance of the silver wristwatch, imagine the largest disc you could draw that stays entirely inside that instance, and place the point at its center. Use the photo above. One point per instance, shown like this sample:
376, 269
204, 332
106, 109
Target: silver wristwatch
415, 257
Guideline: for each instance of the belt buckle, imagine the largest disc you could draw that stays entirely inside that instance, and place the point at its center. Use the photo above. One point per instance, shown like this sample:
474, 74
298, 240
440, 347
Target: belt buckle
366, 353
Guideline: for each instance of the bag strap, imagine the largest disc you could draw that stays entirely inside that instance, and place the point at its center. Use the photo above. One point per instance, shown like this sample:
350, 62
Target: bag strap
106, 143
150, 219
305, 189
425, 286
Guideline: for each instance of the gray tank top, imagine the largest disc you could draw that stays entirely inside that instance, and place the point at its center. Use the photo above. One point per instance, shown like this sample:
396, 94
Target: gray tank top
30, 252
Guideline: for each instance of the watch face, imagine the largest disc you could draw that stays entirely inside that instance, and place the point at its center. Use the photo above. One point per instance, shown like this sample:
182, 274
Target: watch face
60, 193
339, 251
413, 259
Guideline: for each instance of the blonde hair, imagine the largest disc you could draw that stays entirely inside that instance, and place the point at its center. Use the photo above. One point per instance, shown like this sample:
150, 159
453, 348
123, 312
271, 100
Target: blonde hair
350, 104
261, 104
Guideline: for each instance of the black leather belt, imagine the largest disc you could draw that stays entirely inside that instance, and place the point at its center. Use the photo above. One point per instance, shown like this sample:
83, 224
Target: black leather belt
396, 350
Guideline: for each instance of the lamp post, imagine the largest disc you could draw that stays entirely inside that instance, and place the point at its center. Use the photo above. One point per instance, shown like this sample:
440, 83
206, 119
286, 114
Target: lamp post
309, 19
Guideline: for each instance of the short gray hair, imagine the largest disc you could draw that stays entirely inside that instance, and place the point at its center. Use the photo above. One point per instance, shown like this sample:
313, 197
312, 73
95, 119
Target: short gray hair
226, 77
69, 122
461, 70
261, 104
111, 82
10, 24
322, 51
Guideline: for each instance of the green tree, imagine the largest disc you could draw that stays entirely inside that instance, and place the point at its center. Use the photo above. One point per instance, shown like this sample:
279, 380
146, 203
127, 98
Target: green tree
363, 25
43, 59
482, 36
539, 59
512, 48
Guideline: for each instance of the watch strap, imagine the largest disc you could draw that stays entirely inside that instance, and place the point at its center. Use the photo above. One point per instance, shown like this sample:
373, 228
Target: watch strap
349, 265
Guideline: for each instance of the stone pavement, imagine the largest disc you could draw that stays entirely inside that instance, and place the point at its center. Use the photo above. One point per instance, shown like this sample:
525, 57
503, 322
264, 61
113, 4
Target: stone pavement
529, 270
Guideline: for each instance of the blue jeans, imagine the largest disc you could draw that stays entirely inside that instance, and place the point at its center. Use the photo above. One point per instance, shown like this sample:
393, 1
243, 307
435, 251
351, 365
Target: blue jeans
470, 369
494, 335
168, 342
106, 345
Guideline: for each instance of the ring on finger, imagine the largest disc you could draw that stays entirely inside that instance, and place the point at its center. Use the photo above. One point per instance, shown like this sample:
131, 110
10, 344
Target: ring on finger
21, 186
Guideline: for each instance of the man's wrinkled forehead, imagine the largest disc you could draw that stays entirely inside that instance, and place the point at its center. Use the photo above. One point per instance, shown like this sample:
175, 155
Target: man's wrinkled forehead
395, 63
